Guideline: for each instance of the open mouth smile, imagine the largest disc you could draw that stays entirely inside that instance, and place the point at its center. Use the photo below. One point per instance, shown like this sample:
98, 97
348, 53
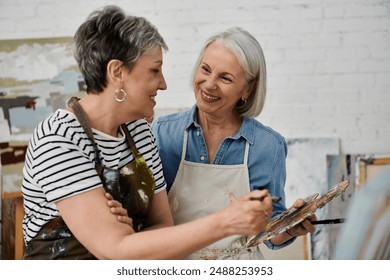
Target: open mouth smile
209, 97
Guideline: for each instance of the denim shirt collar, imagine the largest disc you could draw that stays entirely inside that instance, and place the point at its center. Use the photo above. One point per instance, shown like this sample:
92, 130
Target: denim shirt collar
246, 131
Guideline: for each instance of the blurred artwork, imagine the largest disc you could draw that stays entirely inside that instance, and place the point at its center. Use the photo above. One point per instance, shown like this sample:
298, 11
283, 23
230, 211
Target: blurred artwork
366, 235
37, 76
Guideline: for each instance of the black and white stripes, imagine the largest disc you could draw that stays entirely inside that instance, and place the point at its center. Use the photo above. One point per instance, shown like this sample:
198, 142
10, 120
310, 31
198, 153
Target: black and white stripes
60, 162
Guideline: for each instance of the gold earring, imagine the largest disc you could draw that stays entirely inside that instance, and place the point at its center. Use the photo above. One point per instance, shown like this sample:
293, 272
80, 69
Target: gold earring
120, 100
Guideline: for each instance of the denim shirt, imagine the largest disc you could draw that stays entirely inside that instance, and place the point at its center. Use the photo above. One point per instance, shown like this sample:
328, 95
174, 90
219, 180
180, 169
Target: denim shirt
266, 160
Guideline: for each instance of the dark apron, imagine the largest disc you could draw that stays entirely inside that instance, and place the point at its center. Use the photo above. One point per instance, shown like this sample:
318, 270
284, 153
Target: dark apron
133, 186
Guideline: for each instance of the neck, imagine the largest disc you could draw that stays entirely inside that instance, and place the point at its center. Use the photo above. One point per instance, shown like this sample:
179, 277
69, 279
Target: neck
227, 125
101, 113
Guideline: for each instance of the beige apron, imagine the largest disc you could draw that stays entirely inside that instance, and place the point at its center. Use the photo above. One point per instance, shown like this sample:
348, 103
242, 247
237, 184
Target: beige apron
202, 189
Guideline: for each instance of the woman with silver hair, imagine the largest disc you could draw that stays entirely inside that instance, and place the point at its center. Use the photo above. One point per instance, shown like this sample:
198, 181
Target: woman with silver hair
102, 144
217, 151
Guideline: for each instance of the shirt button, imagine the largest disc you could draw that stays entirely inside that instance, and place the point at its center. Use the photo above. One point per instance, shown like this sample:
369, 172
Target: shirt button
202, 158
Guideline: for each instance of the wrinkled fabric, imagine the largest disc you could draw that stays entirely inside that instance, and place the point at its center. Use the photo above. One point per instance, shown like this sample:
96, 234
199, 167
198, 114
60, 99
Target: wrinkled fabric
56, 242
266, 160
190, 199
133, 186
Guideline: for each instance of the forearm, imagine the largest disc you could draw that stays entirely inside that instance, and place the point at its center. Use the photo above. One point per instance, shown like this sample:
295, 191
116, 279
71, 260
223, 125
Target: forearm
158, 225
107, 238
182, 240
171, 242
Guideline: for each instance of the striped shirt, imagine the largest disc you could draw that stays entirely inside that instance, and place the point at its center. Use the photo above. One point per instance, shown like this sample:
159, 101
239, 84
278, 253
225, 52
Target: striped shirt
60, 163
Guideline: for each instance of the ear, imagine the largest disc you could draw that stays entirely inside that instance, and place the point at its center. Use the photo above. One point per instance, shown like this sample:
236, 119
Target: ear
249, 89
114, 71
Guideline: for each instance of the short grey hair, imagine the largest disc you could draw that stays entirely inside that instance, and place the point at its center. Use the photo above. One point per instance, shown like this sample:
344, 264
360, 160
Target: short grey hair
111, 34
251, 58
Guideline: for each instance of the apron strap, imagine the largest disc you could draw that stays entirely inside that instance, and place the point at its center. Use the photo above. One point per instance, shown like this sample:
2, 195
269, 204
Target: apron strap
184, 149
130, 141
81, 116
246, 155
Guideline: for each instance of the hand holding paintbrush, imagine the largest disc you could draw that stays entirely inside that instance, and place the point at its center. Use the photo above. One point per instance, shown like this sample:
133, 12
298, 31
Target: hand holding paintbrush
273, 198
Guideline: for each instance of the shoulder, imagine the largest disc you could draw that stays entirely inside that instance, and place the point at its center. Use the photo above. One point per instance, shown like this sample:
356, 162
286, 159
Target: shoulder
167, 126
139, 128
141, 132
173, 118
59, 125
55, 142
266, 131
265, 136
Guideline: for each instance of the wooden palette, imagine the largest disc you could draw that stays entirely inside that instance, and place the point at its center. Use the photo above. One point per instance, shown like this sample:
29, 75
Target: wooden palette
293, 216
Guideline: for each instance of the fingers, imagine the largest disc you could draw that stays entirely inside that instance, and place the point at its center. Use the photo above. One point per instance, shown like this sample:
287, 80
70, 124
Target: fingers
246, 216
299, 203
262, 204
303, 227
266, 206
312, 218
307, 226
117, 209
114, 203
108, 196
258, 194
267, 218
111, 202
121, 213
125, 220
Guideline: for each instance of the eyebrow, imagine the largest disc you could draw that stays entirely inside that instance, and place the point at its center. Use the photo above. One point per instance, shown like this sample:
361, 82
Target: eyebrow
223, 73
158, 62
230, 74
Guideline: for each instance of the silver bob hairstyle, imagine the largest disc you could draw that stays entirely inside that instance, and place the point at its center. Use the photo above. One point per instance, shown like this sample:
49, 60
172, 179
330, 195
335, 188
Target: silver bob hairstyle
251, 58
111, 34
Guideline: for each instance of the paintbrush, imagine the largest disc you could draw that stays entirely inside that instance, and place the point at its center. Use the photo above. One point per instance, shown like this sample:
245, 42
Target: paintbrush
273, 198
328, 221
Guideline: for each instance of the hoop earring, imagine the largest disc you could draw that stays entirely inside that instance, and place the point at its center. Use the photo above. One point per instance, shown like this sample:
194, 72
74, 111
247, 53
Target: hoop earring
120, 100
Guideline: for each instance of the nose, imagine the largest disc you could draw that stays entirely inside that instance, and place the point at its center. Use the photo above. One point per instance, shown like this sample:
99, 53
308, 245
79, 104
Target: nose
210, 82
163, 84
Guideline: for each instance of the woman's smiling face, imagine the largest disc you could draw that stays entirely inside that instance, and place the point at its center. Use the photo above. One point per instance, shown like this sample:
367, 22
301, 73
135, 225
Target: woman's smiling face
219, 81
142, 83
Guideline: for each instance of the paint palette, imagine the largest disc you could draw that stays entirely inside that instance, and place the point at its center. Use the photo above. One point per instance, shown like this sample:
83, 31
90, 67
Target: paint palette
293, 216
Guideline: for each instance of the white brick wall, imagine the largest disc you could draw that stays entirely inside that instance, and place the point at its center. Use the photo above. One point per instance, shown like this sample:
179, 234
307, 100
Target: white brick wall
328, 60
